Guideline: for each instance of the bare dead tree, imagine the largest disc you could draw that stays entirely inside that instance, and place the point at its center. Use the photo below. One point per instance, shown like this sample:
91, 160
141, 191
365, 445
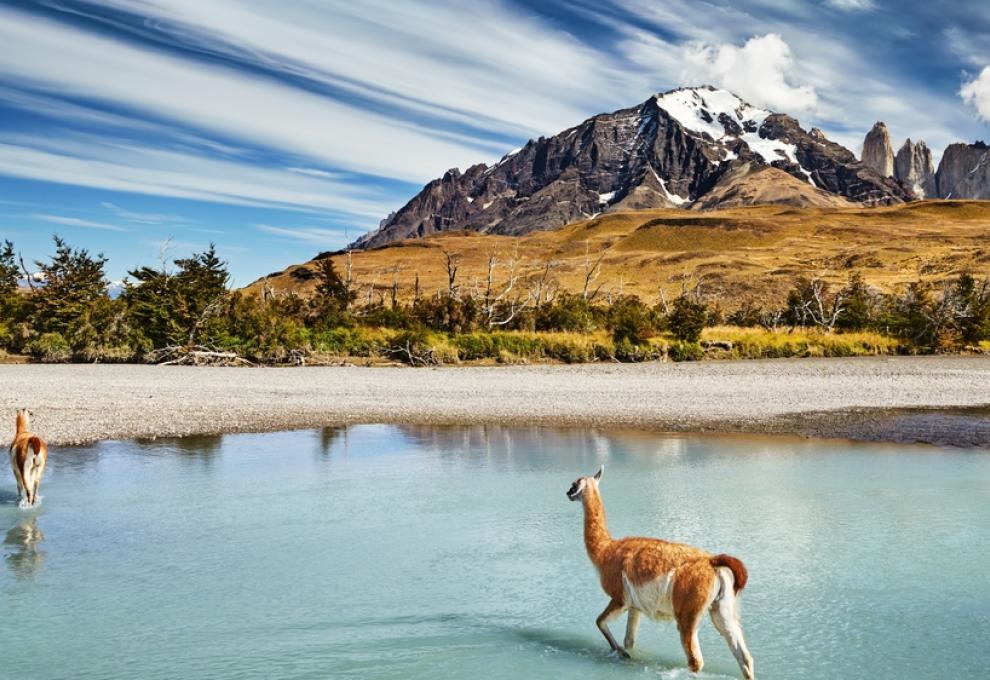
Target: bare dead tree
27, 275
591, 272
209, 311
663, 301
416, 288
371, 289
498, 304
772, 319
823, 309
452, 266
394, 291
349, 279
544, 288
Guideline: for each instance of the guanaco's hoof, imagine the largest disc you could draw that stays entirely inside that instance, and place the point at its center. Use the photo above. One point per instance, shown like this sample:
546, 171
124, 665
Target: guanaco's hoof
621, 653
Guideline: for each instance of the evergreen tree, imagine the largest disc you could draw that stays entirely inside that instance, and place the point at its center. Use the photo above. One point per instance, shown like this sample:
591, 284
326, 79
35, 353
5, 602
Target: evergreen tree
687, 319
179, 308
74, 282
857, 306
332, 297
8, 270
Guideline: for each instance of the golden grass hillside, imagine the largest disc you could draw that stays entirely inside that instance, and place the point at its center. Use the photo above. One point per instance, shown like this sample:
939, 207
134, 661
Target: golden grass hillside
750, 254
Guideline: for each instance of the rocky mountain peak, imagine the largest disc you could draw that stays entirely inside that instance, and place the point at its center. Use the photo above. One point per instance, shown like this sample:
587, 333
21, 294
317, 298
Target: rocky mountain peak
964, 171
878, 153
668, 152
913, 167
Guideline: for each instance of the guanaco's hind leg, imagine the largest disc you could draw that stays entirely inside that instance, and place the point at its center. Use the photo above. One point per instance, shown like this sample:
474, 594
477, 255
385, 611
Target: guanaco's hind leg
688, 628
28, 479
614, 609
725, 615
632, 627
19, 478
38, 472
693, 592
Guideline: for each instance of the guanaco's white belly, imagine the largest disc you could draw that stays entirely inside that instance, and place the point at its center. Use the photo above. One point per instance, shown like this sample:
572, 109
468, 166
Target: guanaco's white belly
653, 598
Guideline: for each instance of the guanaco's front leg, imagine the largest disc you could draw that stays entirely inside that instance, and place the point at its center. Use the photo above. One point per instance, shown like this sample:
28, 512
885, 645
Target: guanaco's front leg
614, 609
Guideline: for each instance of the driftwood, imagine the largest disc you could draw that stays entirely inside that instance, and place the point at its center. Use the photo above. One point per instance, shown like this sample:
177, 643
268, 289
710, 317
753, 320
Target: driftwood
197, 355
415, 356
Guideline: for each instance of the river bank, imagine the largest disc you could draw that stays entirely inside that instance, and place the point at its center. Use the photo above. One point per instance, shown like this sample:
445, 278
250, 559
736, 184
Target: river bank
938, 400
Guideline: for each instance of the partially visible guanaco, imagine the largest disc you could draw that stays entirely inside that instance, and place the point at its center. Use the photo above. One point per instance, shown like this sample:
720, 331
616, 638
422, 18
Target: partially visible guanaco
28, 455
663, 581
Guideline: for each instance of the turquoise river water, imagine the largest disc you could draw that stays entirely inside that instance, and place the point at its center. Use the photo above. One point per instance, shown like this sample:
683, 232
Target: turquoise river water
402, 552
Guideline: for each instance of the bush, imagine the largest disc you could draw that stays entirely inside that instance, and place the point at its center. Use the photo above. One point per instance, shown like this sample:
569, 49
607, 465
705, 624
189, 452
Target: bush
493, 345
357, 341
630, 321
569, 313
687, 319
685, 351
50, 348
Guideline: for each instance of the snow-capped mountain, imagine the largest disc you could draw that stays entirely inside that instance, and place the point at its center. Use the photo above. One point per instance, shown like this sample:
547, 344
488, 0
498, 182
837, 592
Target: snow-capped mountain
670, 151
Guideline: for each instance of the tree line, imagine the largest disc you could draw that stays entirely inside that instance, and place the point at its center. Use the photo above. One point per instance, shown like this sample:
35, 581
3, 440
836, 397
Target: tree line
183, 311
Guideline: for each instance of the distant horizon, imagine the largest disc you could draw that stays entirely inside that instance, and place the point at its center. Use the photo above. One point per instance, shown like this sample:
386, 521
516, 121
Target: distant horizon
281, 131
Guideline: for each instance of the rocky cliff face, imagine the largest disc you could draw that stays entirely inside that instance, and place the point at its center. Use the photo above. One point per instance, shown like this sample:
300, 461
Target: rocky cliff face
667, 152
964, 171
878, 154
914, 169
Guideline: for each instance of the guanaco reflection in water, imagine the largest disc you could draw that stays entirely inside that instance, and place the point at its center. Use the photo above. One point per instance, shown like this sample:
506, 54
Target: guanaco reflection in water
25, 556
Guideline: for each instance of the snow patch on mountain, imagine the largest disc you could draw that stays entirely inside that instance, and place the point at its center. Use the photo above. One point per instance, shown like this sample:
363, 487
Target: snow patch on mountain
673, 198
702, 111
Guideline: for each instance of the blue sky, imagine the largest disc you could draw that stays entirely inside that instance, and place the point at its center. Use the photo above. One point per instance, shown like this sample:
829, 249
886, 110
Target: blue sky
280, 129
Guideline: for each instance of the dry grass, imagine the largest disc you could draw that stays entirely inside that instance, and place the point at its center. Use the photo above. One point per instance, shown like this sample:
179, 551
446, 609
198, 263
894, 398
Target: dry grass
759, 343
747, 254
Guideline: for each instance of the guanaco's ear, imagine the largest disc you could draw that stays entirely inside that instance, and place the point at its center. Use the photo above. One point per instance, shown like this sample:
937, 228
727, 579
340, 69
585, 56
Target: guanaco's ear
601, 471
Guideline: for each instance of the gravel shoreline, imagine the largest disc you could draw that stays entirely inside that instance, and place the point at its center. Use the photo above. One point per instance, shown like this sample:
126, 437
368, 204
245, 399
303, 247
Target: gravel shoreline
942, 400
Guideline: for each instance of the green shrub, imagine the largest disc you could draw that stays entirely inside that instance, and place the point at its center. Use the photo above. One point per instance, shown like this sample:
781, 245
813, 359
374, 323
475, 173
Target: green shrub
492, 345
630, 321
569, 313
356, 341
685, 351
50, 348
628, 352
687, 319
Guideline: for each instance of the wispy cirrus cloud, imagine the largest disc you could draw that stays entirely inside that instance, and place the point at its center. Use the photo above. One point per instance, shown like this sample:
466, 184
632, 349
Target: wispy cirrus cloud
315, 235
76, 222
125, 166
141, 217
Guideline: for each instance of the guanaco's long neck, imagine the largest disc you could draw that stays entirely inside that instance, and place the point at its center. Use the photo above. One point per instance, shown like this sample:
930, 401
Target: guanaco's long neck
596, 536
22, 425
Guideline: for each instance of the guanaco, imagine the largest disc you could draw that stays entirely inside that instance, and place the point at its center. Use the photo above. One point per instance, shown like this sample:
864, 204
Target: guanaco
664, 581
28, 455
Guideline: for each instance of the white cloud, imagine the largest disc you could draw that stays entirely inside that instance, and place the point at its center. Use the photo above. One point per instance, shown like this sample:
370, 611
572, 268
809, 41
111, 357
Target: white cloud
976, 93
49, 56
760, 72
313, 235
851, 5
76, 222
127, 166
484, 64
141, 217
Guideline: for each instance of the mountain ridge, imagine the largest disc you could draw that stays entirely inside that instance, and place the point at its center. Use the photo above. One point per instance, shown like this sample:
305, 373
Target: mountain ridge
667, 152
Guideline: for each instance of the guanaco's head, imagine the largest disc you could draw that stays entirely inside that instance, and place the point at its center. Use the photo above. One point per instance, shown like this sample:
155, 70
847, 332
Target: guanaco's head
581, 484
24, 418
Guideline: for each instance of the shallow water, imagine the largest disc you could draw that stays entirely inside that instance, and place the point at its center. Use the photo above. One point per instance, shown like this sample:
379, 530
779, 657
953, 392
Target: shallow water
387, 552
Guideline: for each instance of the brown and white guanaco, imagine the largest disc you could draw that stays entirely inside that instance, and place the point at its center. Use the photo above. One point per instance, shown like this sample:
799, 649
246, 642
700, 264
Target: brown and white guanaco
28, 455
664, 581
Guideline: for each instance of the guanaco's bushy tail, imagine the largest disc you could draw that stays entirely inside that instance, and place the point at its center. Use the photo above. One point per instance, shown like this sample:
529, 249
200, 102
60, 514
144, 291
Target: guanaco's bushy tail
736, 566
36, 444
